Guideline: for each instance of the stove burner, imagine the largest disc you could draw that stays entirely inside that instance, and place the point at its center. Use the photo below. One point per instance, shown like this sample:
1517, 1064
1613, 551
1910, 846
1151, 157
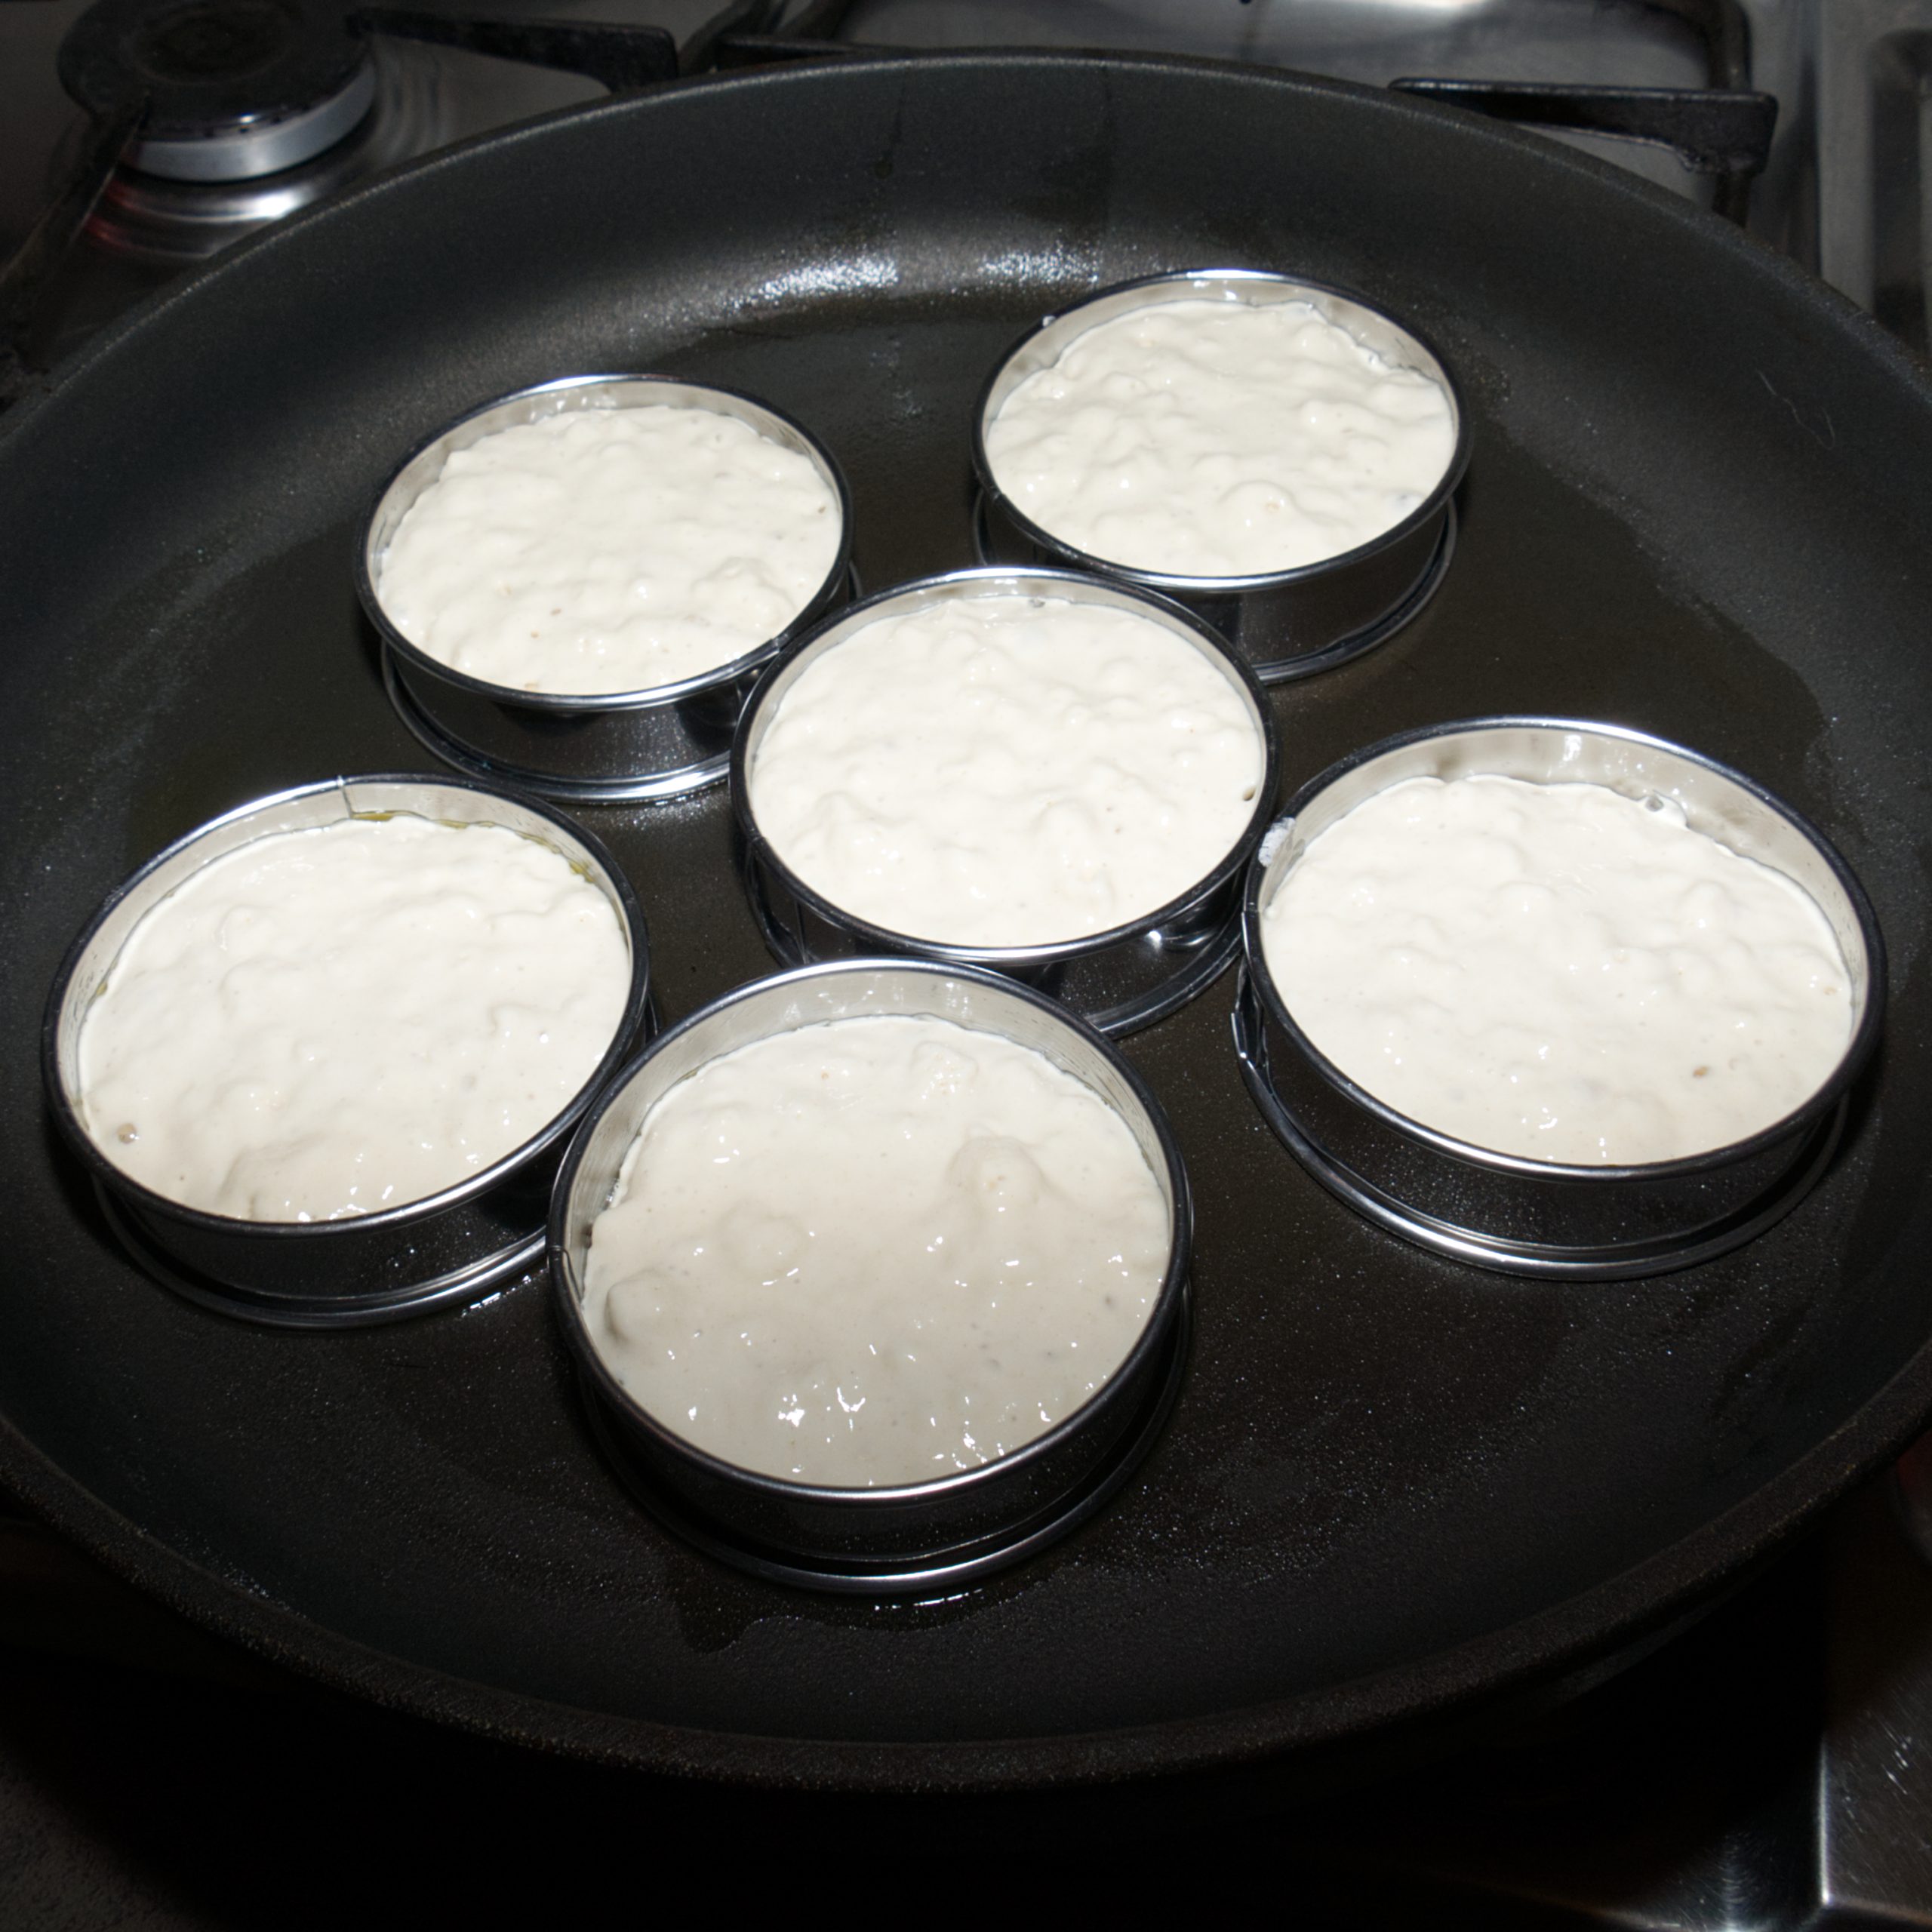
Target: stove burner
235, 89
145, 217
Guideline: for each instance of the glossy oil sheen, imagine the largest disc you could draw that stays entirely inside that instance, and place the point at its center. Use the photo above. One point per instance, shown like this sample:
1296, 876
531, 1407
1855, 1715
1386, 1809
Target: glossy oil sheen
1695, 506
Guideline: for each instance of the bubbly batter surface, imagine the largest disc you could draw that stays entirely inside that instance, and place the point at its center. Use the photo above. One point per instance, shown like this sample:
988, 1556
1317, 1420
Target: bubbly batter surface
1220, 438
610, 550
327, 1022
1557, 970
1007, 770
874, 1252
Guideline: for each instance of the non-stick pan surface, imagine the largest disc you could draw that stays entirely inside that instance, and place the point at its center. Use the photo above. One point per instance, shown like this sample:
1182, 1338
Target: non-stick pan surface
1697, 505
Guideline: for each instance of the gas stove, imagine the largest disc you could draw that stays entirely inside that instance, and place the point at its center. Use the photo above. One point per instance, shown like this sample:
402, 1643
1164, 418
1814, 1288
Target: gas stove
255, 109
1764, 1768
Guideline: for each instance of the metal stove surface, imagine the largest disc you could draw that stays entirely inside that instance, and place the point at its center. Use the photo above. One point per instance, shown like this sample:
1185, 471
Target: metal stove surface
1768, 1769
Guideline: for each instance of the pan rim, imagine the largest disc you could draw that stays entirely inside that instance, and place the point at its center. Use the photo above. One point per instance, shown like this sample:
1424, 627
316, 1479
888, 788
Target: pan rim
1534, 1648
1360, 1711
145, 314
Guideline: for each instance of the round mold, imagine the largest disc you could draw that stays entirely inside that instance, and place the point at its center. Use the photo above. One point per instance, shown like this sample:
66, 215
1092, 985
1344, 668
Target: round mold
1120, 980
917, 1539
1287, 624
1509, 1212
454, 1246
583, 747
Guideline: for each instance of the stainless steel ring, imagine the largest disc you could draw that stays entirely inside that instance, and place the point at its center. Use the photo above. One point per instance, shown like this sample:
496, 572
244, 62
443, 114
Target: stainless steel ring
659, 743
452, 1246
922, 1537
1287, 624
1121, 980
1504, 1211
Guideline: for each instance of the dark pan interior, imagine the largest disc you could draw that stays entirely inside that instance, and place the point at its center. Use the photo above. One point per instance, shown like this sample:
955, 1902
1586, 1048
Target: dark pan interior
1697, 505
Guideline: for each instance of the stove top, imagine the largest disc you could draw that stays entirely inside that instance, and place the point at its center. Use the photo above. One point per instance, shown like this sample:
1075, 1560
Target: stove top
1765, 1768
256, 108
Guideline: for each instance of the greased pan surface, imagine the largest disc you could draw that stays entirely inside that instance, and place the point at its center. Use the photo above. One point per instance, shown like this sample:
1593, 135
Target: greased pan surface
1697, 505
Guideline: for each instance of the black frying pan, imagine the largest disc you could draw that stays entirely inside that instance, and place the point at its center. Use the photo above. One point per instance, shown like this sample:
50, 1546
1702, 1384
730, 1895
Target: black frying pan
1697, 505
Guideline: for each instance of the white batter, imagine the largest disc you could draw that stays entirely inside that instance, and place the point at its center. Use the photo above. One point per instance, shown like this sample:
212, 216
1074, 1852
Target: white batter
1007, 771
327, 1022
1220, 438
610, 550
1556, 971
873, 1251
